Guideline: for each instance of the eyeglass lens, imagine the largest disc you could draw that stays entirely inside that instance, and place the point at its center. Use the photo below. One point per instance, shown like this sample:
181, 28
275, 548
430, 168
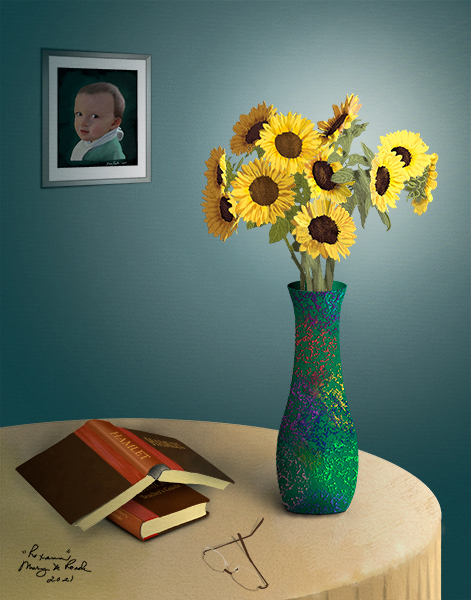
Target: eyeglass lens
215, 560
241, 575
246, 578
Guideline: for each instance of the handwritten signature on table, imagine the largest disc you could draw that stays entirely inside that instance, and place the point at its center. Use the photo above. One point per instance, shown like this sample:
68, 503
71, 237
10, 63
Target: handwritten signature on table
53, 568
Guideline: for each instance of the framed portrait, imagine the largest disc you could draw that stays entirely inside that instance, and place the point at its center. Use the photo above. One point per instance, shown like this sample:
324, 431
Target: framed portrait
96, 118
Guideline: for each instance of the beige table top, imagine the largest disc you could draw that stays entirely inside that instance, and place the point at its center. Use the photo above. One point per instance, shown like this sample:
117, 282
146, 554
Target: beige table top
386, 545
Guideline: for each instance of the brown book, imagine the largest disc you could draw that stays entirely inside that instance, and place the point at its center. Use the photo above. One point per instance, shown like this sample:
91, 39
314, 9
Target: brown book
160, 508
99, 467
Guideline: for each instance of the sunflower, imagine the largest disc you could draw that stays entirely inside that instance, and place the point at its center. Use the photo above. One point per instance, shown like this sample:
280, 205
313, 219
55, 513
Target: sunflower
216, 173
410, 148
387, 179
421, 205
220, 218
342, 119
247, 129
318, 174
262, 192
325, 229
289, 141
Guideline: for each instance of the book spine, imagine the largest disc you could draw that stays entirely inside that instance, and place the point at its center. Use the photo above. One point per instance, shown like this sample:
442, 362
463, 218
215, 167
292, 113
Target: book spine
163, 459
121, 449
126, 518
139, 511
130, 460
114, 459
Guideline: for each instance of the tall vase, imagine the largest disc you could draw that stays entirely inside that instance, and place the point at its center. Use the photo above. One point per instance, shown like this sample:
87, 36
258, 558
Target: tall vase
317, 450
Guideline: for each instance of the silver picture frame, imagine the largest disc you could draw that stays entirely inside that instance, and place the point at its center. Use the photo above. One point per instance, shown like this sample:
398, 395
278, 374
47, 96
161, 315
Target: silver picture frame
63, 74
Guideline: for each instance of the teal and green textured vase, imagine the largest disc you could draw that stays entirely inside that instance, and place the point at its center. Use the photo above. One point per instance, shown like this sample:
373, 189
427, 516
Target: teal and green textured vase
317, 450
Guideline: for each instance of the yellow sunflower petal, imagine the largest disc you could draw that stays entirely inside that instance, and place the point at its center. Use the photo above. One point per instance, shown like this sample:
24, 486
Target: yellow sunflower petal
289, 141
262, 192
387, 179
342, 119
325, 229
410, 148
216, 173
318, 174
219, 210
421, 205
247, 129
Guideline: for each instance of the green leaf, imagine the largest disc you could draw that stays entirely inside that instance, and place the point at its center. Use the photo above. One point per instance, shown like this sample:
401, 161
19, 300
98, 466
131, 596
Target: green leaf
363, 179
251, 225
416, 186
343, 176
350, 204
334, 157
345, 141
362, 192
364, 205
278, 230
260, 151
357, 128
296, 246
335, 145
385, 218
229, 174
289, 216
304, 196
368, 153
355, 159
299, 179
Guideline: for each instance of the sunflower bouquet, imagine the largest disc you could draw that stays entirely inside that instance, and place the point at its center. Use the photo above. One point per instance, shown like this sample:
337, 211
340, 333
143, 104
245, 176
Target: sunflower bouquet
306, 183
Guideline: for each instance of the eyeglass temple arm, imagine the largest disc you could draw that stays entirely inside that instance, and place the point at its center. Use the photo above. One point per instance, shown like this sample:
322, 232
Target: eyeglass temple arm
241, 540
255, 528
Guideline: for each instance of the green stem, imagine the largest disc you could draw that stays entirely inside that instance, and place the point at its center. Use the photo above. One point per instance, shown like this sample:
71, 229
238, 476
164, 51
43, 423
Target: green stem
293, 255
313, 272
306, 271
302, 282
318, 282
329, 273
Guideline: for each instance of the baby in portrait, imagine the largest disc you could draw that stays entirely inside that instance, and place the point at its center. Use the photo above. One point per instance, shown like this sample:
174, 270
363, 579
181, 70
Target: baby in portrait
99, 109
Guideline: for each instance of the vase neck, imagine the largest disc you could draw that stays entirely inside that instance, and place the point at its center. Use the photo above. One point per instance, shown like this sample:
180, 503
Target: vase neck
319, 309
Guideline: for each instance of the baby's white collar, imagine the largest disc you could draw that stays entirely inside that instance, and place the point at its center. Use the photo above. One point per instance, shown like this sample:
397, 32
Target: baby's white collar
83, 147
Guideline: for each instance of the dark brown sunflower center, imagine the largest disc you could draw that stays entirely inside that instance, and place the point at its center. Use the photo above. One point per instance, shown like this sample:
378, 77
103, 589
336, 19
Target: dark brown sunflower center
404, 154
336, 124
253, 133
324, 230
224, 206
263, 190
219, 178
288, 144
382, 180
322, 173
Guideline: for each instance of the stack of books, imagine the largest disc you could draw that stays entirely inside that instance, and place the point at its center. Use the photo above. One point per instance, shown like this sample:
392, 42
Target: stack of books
140, 481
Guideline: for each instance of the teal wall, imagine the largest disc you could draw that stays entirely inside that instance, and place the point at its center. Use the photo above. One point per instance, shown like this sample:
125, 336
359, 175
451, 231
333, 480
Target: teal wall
115, 300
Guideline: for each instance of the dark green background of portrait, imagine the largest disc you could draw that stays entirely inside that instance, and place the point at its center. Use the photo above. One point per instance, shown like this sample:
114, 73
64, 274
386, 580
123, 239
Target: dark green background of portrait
70, 81
115, 300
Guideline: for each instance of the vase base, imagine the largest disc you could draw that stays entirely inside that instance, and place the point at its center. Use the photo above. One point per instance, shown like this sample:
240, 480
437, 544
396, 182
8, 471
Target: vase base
300, 511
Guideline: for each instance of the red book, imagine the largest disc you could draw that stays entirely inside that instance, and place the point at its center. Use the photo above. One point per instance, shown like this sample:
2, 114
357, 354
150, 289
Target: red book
99, 467
160, 508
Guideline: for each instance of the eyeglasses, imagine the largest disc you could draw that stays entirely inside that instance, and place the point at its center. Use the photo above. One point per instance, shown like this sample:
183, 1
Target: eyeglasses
247, 578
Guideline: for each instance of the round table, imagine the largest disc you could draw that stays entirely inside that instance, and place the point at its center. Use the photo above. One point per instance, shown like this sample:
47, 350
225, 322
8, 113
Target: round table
385, 546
